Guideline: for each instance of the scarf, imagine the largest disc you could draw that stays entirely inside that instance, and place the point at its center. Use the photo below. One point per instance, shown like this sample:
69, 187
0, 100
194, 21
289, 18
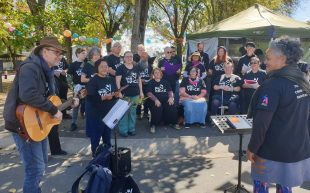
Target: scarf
290, 72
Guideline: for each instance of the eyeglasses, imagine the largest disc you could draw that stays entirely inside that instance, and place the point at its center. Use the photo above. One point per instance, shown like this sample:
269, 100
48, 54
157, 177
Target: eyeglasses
128, 56
253, 62
56, 52
169, 52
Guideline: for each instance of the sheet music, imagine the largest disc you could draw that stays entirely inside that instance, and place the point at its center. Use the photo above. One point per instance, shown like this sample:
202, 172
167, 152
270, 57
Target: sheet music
116, 113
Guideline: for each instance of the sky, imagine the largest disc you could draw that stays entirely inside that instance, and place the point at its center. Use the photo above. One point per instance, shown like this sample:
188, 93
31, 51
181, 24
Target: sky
303, 11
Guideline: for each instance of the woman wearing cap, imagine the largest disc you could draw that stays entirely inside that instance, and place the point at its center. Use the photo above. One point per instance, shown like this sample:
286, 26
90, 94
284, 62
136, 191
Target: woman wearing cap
195, 61
251, 81
243, 65
192, 97
279, 148
162, 105
226, 91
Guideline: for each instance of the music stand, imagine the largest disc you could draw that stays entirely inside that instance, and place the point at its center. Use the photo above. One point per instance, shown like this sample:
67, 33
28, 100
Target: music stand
240, 125
112, 119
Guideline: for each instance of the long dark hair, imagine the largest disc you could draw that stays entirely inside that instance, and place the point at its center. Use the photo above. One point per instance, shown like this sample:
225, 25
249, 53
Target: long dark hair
218, 59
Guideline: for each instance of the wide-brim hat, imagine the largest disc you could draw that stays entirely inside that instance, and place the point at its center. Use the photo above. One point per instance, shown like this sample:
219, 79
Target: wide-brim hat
195, 54
48, 42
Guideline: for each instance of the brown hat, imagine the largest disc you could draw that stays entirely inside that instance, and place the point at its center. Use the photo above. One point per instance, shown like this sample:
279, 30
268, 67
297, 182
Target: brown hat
48, 42
195, 54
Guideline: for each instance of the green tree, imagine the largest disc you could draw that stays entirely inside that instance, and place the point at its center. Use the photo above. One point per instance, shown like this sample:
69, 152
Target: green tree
109, 17
178, 14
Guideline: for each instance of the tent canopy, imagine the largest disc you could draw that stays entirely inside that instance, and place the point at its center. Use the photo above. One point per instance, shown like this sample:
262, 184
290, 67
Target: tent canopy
256, 21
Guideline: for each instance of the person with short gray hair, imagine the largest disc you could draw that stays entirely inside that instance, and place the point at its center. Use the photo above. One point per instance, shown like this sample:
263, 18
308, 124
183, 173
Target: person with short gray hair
279, 148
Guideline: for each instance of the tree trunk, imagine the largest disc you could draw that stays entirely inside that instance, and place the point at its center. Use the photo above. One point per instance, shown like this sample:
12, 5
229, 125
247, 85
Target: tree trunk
139, 23
68, 43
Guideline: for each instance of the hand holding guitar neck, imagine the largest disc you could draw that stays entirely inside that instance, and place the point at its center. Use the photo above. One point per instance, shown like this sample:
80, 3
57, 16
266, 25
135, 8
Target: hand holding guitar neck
118, 93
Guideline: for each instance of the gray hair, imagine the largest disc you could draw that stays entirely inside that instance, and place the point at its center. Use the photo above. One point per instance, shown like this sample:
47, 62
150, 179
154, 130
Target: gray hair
289, 47
93, 51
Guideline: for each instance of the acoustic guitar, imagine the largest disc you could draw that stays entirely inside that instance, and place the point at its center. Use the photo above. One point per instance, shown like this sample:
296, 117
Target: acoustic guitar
36, 124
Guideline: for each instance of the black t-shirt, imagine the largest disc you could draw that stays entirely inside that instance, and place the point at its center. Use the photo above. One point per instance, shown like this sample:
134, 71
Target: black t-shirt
233, 81
129, 77
193, 87
88, 70
113, 61
75, 69
259, 77
63, 65
287, 137
159, 89
201, 68
243, 61
145, 70
217, 70
97, 87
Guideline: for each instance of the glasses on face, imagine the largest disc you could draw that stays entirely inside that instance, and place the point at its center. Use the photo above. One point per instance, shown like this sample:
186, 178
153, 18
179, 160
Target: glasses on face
253, 62
168, 52
129, 56
56, 52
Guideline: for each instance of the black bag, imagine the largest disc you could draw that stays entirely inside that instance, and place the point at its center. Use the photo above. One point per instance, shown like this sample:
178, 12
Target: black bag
124, 184
102, 156
121, 166
99, 181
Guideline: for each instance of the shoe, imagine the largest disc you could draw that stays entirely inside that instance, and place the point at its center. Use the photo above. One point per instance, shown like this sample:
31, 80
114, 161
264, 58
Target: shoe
187, 126
123, 135
62, 152
153, 129
202, 125
73, 127
176, 126
66, 116
131, 133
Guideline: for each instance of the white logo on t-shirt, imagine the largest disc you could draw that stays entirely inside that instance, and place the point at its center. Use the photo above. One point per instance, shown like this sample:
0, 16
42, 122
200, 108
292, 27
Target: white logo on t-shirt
105, 91
160, 88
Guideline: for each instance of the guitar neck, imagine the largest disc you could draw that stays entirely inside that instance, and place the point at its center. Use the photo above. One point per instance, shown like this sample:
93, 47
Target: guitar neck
66, 104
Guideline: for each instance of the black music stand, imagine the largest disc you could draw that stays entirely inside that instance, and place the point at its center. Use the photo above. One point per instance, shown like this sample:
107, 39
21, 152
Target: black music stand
112, 119
240, 125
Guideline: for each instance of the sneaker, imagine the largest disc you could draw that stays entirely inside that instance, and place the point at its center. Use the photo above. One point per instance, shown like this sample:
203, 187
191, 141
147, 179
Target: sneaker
176, 126
153, 129
187, 126
202, 125
73, 127
131, 133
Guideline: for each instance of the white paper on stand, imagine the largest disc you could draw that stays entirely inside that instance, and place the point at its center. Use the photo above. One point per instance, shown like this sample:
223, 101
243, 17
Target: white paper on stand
116, 113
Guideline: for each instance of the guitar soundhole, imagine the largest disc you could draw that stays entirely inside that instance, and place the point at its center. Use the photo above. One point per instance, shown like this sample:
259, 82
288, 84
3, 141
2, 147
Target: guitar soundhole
39, 120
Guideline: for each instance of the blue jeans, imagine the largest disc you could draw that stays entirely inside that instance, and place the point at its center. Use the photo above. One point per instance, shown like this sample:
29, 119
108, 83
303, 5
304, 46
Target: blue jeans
34, 157
128, 122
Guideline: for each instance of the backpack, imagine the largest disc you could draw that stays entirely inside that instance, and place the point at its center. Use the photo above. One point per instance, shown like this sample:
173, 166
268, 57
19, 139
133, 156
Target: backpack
99, 181
124, 184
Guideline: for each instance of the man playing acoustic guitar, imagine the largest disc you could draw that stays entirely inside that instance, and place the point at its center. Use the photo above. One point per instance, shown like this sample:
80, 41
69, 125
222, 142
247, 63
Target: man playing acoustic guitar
33, 84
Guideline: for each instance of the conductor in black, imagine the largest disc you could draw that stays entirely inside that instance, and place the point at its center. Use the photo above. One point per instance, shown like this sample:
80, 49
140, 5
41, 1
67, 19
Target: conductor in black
279, 148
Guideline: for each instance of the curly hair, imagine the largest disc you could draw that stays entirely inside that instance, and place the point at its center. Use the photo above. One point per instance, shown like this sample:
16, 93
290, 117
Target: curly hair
289, 47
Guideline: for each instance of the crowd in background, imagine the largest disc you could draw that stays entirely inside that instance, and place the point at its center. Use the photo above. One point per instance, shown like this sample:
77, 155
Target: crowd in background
165, 90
